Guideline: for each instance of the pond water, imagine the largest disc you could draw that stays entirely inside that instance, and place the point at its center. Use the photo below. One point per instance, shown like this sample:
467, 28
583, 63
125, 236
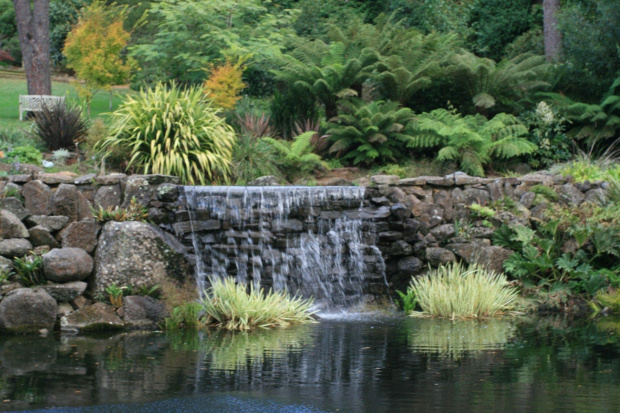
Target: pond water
378, 365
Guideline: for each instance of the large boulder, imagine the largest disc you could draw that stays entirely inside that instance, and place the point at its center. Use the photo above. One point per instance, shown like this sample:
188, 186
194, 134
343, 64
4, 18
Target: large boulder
63, 265
11, 226
96, 317
27, 310
137, 254
16, 247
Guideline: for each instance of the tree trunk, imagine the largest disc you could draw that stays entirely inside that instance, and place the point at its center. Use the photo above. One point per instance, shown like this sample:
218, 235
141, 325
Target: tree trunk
33, 24
553, 36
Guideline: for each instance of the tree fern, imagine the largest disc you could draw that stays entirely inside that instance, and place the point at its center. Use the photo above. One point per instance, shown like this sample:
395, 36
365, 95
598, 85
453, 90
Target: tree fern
594, 123
472, 141
296, 157
370, 132
492, 84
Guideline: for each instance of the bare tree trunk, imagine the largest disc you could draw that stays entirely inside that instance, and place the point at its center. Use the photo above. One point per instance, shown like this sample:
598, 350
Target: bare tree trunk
553, 36
33, 27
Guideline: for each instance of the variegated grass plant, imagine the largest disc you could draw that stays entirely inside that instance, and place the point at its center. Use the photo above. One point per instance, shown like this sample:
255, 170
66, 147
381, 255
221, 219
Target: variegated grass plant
459, 291
231, 306
173, 131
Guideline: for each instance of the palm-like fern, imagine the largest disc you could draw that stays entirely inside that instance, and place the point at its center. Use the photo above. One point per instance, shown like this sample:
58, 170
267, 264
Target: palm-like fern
419, 60
334, 77
473, 141
490, 83
296, 157
595, 123
370, 132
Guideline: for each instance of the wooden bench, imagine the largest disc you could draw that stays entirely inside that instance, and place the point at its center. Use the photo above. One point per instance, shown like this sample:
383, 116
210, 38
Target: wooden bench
35, 103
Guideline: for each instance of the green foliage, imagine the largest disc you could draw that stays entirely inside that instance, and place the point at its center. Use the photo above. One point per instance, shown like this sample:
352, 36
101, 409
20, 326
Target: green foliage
135, 211
253, 157
496, 23
59, 126
296, 157
174, 132
456, 291
29, 270
419, 60
408, 300
472, 141
185, 316
547, 131
480, 211
184, 36
590, 33
326, 72
545, 191
375, 132
115, 294
63, 16
494, 87
24, 154
609, 299
228, 305
573, 249
590, 168
5, 275
597, 124
59, 156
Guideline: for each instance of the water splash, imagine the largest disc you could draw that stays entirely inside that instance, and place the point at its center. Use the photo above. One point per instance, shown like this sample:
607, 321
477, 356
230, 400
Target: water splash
307, 240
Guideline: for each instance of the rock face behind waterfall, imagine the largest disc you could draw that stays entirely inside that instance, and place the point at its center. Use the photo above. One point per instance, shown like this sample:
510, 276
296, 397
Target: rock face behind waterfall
137, 254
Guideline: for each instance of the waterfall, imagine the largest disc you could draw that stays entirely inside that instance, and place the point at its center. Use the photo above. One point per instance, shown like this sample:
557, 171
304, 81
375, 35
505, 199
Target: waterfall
310, 241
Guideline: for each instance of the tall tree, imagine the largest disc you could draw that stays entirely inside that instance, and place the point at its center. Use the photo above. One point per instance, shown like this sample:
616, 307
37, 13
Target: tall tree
553, 35
33, 26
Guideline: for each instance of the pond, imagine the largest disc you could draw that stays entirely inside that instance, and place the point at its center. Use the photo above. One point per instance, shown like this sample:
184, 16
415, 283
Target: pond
373, 365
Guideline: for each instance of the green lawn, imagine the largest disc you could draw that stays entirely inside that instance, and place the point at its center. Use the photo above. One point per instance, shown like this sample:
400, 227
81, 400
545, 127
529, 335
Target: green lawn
10, 89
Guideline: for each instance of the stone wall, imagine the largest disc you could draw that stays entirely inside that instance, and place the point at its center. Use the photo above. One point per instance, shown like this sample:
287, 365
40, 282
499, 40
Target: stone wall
415, 222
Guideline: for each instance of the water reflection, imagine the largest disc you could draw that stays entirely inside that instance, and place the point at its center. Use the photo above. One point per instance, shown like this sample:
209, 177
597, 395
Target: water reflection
387, 365
453, 339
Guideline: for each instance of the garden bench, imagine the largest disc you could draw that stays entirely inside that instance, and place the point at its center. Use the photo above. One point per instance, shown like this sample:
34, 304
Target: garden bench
35, 103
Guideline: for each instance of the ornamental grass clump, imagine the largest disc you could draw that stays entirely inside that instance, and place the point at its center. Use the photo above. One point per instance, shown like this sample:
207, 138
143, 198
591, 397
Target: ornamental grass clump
456, 291
173, 131
229, 305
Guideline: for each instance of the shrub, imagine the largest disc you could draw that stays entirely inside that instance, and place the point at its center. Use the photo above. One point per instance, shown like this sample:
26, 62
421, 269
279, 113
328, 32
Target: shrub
367, 133
225, 83
29, 270
473, 141
253, 157
228, 305
25, 154
456, 291
59, 126
547, 131
175, 132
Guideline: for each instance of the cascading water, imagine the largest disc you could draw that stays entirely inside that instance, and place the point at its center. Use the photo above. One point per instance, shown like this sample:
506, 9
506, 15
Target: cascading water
307, 240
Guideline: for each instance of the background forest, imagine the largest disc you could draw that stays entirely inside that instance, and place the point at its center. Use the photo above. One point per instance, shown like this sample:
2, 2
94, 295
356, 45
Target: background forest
291, 88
